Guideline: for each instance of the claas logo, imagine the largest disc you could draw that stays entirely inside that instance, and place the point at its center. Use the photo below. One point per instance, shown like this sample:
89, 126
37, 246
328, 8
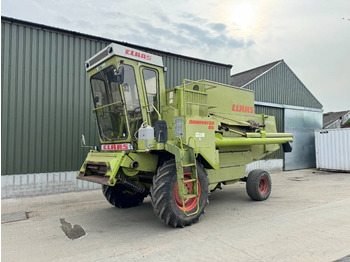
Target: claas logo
243, 109
117, 147
138, 54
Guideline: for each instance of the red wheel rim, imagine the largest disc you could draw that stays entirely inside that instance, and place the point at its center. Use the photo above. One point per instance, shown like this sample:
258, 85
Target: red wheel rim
263, 185
190, 203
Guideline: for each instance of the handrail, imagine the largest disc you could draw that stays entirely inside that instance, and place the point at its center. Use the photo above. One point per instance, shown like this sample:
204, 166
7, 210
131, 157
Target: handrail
104, 106
155, 109
179, 139
195, 145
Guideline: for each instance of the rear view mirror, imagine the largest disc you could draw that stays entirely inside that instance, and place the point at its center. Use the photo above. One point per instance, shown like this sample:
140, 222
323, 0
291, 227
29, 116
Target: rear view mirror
83, 142
126, 87
119, 74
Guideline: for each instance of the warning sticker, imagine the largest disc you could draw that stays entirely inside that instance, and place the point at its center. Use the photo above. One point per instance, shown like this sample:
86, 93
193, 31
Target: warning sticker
201, 135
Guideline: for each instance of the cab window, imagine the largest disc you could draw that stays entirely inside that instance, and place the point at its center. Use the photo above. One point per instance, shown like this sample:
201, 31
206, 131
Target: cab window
132, 100
151, 82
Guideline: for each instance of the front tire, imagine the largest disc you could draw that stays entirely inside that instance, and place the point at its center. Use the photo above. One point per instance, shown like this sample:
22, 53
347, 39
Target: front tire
258, 185
167, 204
121, 196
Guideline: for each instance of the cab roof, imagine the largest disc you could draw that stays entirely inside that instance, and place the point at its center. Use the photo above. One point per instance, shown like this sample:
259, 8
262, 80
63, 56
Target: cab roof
122, 51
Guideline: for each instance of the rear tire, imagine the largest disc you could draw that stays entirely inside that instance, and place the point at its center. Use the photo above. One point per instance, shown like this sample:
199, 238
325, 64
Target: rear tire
121, 196
258, 185
165, 199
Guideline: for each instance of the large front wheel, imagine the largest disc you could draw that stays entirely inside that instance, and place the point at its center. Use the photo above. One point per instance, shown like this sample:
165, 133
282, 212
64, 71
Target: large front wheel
166, 202
121, 196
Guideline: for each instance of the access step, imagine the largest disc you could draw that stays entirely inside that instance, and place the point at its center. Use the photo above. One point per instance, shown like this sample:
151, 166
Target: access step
187, 196
190, 180
188, 165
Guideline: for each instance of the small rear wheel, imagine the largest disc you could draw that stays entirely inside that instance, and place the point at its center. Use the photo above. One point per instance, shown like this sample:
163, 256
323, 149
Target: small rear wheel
258, 185
121, 196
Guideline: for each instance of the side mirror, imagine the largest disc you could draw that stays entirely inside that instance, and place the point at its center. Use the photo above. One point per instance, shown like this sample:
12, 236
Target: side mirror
126, 87
120, 74
83, 142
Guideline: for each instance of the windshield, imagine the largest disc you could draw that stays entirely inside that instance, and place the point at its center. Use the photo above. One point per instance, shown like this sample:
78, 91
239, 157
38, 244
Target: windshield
109, 107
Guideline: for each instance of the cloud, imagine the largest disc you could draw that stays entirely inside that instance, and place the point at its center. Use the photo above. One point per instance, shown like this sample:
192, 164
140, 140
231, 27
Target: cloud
191, 17
195, 35
220, 27
163, 18
203, 36
311, 36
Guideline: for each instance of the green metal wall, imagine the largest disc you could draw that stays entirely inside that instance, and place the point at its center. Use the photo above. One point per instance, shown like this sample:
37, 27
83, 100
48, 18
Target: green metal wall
179, 69
279, 115
281, 86
45, 99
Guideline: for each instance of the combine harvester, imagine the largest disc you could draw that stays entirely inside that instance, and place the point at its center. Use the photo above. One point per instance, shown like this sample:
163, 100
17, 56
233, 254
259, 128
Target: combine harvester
176, 145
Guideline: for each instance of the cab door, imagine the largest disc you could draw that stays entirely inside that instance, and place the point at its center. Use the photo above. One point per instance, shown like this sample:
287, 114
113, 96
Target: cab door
150, 77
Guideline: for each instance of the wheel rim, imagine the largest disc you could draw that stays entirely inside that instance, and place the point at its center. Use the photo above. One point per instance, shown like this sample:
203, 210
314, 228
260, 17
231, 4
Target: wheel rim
190, 203
263, 185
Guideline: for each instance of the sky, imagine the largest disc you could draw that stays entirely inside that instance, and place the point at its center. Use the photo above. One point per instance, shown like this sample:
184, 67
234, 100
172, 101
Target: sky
312, 37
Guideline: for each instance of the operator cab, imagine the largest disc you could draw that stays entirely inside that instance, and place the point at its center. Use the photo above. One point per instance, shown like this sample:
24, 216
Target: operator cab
125, 85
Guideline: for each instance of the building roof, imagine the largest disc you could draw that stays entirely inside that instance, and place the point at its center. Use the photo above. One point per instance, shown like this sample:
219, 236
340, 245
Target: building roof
347, 124
243, 78
276, 83
107, 40
330, 117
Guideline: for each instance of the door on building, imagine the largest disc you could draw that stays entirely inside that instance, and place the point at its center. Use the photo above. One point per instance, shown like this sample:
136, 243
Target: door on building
303, 125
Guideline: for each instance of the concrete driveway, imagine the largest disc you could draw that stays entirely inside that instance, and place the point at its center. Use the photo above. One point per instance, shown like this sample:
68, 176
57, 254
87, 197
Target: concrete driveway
306, 218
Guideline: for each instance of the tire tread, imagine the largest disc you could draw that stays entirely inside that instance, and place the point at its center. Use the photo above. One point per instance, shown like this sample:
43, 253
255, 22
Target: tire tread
161, 200
252, 184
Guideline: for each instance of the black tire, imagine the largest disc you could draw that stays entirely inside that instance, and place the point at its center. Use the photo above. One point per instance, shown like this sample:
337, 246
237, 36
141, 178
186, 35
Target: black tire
166, 207
258, 185
121, 196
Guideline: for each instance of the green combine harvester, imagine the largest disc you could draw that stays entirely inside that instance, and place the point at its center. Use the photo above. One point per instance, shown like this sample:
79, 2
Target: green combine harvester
175, 145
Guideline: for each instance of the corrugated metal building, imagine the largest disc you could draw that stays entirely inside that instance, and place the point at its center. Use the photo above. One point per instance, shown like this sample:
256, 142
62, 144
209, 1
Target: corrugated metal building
279, 92
46, 101
332, 120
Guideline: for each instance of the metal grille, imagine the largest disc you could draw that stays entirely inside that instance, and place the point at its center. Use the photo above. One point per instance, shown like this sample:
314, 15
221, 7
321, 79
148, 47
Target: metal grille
98, 57
196, 103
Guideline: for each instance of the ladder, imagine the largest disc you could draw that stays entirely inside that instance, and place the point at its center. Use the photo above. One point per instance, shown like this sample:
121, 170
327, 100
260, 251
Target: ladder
185, 157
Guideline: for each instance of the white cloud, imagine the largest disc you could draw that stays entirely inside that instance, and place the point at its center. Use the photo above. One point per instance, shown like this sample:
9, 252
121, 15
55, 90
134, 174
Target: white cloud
311, 36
